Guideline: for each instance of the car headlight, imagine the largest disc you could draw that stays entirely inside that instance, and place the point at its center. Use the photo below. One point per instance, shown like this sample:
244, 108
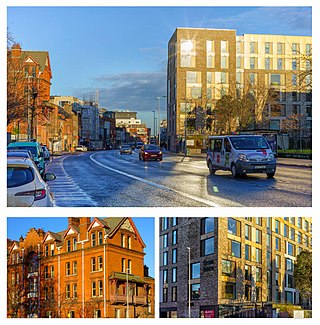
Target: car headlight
160, 152
242, 157
271, 156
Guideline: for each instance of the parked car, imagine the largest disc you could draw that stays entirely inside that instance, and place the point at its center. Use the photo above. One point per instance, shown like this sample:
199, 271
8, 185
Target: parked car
25, 186
16, 153
126, 148
241, 154
46, 153
150, 151
36, 151
81, 148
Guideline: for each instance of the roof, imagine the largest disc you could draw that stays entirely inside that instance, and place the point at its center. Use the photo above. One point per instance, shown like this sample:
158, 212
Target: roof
42, 58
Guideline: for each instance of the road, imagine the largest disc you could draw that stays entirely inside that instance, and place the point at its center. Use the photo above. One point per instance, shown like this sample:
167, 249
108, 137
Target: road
108, 179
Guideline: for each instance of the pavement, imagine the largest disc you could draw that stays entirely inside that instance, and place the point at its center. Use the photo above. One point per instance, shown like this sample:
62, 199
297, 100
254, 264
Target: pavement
280, 161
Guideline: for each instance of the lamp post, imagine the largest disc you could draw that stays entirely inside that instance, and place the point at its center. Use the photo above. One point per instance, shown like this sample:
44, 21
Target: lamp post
127, 291
189, 284
159, 117
154, 123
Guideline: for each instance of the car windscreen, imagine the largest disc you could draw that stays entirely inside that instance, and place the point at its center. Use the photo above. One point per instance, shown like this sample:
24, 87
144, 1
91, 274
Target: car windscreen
18, 176
151, 147
249, 143
33, 150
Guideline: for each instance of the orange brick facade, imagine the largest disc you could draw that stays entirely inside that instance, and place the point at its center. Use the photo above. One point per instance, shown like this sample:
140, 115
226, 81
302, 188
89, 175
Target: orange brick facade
95, 268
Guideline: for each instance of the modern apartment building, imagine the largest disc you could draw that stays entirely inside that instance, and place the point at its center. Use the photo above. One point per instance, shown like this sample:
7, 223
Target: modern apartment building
93, 268
238, 266
206, 64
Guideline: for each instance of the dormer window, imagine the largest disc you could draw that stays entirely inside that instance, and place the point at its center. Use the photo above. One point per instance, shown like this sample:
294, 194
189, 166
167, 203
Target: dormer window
93, 239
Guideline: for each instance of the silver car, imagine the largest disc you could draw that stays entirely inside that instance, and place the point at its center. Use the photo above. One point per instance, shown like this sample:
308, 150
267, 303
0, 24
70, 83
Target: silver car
126, 148
25, 186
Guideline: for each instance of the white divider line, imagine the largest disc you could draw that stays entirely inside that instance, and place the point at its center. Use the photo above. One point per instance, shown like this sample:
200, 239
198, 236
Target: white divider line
159, 186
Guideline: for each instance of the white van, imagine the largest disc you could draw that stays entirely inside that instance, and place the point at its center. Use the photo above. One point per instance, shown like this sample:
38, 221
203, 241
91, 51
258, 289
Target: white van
241, 154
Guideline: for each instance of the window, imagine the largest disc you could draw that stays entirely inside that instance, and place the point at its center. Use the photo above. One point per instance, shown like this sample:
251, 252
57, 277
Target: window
46, 251
278, 241
280, 64
174, 221
164, 223
234, 248
285, 230
238, 62
100, 263
174, 274
68, 296
229, 290
75, 291
68, 268
46, 272
252, 78
93, 239
253, 47
165, 276
97, 313
267, 48
291, 234
252, 63
247, 272
207, 225
207, 246
165, 295
224, 62
258, 255
277, 227
52, 271
294, 64
93, 264
277, 278
165, 258
258, 236
224, 46
68, 245
174, 256
100, 238
278, 261
290, 249
93, 289
100, 288
234, 227
268, 260
268, 240
74, 267
247, 229
123, 240
174, 237
123, 265
74, 244
308, 49
289, 265
248, 252
280, 48
129, 267
258, 274
187, 50
195, 271
247, 292
294, 79
165, 240
229, 268
174, 294
267, 63
52, 249
295, 48
195, 291
275, 79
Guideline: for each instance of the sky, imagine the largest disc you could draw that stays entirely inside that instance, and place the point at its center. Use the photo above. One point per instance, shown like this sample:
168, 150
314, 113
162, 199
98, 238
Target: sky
17, 227
122, 51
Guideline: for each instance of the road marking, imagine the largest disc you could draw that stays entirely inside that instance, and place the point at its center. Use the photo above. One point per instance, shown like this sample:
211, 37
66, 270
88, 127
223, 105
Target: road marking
159, 186
65, 191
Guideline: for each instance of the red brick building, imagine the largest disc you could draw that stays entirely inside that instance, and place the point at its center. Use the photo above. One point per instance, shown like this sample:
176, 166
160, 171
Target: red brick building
94, 268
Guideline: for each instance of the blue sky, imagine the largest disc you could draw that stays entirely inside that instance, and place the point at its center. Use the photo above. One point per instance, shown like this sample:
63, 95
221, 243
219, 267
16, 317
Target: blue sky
122, 51
20, 226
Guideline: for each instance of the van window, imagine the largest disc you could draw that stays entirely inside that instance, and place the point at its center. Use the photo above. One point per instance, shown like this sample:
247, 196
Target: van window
227, 145
217, 145
17, 176
33, 150
249, 143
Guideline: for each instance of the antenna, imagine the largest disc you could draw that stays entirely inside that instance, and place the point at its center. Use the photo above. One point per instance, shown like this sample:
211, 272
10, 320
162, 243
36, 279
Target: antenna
97, 98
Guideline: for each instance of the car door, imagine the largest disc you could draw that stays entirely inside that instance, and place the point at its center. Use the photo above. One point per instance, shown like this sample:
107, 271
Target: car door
226, 153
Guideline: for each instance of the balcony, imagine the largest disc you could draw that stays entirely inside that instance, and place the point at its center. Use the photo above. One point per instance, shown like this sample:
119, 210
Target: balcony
118, 298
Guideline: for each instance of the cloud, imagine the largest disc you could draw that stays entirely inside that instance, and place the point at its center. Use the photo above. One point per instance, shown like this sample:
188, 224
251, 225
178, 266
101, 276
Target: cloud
132, 91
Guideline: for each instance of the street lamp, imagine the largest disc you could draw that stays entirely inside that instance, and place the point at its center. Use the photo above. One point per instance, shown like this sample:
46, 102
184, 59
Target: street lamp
189, 284
159, 116
154, 123
127, 290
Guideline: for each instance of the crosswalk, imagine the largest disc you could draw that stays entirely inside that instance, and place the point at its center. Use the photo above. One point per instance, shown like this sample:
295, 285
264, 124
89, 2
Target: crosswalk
65, 191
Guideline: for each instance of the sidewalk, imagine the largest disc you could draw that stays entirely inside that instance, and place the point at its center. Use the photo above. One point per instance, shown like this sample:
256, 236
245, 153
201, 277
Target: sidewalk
280, 161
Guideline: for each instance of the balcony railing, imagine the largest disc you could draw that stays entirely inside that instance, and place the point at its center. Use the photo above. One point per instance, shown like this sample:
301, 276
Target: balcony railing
117, 298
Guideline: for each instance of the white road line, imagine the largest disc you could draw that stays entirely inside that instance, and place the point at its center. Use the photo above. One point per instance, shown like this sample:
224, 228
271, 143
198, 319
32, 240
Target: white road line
66, 190
159, 186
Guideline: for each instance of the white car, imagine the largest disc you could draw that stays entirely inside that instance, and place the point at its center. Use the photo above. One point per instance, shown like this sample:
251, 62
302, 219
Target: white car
25, 186
81, 148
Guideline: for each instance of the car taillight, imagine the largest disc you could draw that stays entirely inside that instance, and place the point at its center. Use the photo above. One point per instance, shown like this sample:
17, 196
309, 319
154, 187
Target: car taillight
38, 194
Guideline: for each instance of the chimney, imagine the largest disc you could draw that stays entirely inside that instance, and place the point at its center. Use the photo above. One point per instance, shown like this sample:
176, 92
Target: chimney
84, 224
145, 270
73, 221
16, 50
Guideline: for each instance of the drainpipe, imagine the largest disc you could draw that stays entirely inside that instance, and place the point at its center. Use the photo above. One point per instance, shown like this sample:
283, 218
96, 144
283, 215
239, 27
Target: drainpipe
59, 293
82, 272
104, 277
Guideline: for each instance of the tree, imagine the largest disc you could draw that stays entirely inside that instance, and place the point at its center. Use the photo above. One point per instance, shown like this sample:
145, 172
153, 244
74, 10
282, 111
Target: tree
225, 114
303, 275
296, 126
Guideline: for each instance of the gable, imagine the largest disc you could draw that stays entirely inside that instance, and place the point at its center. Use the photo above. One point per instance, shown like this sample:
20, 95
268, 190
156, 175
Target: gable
49, 237
127, 226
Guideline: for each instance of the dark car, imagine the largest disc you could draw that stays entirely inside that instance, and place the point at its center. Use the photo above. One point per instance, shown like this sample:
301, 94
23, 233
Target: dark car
150, 151
46, 153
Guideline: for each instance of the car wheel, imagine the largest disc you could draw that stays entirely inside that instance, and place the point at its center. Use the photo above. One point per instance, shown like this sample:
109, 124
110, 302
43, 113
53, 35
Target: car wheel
270, 175
211, 169
234, 171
